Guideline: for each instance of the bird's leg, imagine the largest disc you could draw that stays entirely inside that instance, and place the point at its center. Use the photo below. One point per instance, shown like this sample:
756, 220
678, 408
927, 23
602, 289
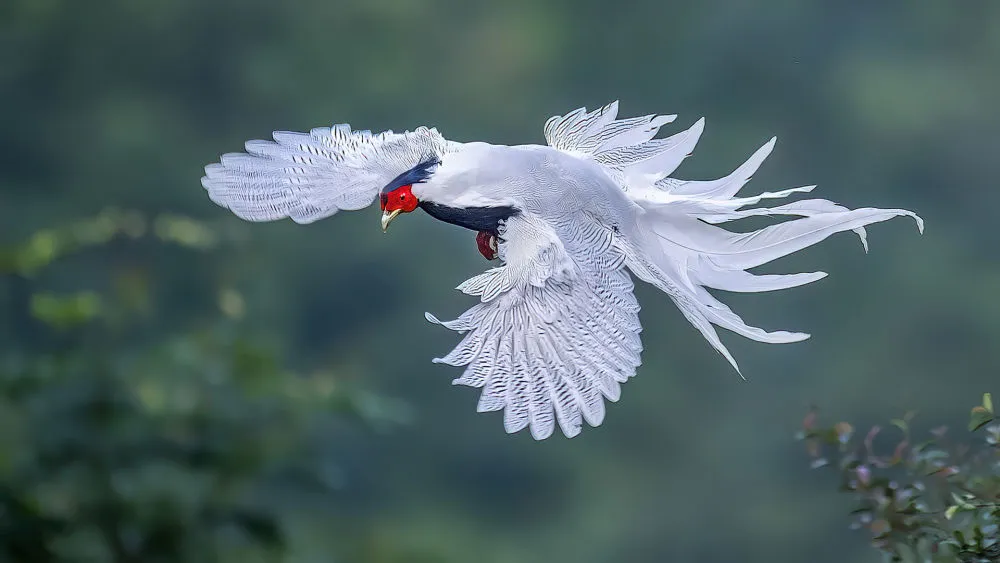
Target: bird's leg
487, 243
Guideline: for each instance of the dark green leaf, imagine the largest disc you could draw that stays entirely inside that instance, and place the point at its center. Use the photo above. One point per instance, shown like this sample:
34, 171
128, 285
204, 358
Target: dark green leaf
980, 417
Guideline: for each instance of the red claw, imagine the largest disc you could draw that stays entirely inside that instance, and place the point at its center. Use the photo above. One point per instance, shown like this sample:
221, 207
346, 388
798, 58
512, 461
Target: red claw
487, 243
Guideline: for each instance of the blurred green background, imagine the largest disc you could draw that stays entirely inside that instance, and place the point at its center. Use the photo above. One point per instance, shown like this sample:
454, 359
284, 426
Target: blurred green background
180, 386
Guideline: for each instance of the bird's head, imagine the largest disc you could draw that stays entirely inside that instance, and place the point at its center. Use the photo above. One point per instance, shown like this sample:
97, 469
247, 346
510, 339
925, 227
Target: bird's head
397, 196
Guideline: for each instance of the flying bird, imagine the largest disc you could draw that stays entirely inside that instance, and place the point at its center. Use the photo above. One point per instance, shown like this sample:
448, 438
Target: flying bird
555, 330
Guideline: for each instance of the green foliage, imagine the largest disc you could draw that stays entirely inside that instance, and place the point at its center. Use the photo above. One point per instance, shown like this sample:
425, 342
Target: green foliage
929, 500
182, 447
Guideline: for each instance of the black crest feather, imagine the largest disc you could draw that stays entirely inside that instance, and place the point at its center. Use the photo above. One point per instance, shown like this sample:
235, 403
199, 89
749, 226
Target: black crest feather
419, 173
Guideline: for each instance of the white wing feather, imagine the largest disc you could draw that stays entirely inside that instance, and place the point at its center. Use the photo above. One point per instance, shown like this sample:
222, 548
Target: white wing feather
556, 330
309, 176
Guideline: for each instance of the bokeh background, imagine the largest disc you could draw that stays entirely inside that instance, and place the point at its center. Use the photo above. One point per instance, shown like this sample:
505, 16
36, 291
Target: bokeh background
182, 386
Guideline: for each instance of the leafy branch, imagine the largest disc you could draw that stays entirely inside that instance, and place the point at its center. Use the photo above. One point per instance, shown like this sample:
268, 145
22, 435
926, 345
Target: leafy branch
932, 500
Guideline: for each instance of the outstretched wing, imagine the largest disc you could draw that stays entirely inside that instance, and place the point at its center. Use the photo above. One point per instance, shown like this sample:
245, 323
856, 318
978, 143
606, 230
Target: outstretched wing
556, 330
624, 147
309, 176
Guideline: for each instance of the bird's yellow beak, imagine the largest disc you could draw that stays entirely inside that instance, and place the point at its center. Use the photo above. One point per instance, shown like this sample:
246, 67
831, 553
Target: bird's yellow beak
387, 217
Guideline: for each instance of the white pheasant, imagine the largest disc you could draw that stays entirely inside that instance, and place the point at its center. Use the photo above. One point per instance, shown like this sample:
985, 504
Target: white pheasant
556, 329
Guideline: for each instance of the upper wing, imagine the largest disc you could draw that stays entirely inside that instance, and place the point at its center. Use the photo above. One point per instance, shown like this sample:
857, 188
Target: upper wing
556, 329
309, 176
624, 147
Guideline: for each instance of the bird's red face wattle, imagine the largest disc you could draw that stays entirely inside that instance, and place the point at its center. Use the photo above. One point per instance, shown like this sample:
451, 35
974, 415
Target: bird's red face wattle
399, 200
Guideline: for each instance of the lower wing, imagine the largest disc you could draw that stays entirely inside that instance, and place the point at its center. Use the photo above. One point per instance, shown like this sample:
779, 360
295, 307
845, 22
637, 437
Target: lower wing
556, 330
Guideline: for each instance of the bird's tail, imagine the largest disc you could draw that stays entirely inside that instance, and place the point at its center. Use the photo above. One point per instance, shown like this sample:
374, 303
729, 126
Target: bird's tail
684, 253
679, 248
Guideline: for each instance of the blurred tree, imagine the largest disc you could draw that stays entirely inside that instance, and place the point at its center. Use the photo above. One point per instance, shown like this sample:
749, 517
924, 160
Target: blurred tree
187, 447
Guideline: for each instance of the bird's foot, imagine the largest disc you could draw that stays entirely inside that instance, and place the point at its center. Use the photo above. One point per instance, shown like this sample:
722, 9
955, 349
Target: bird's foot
487, 243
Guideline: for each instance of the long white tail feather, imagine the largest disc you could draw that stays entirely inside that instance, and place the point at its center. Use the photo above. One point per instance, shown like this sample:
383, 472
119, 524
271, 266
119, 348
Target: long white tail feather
741, 281
724, 187
741, 251
666, 155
